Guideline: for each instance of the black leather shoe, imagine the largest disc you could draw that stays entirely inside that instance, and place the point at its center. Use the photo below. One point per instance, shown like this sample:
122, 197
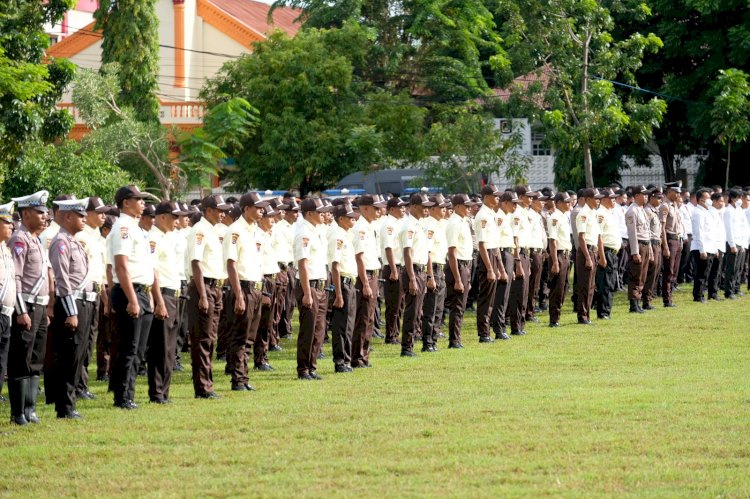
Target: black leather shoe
648, 306
669, 305
208, 395
128, 405
305, 377
455, 345
586, 323
486, 339
19, 420
603, 317
87, 395
263, 367
249, 387
237, 388
2, 398
714, 297
532, 319
428, 349
160, 401
105, 377
321, 355
378, 335
517, 333
285, 336
392, 342
275, 348
700, 300
177, 367
316, 376
408, 353
554, 324
730, 297
343, 369
503, 336
72, 414
361, 366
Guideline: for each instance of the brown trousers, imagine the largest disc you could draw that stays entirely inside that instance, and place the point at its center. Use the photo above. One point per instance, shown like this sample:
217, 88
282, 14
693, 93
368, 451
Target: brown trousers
312, 323
455, 302
502, 292
279, 301
486, 293
519, 296
285, 323
243, 329
557, 285
203, 333
652, 276
394, 303
585, 284
671, 267
162, 350
637, 272
342, 326
364, 322
263, 337
412, 308
536, 265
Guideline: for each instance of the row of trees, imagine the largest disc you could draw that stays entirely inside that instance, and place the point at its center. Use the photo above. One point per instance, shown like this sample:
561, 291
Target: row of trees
373, 84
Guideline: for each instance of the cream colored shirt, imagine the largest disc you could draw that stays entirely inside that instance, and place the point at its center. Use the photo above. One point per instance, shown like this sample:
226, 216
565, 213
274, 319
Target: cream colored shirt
94, 245
341, 251
486, 227
558, 230
180, 251
128, 239
309, 245
587, 222
205, 245
522, 226
610, 228
414, 236
390, 230
241, 247
365, 242
458, 235
538, 230
505, 229
282, 240
269, 261
162, 246
439, 251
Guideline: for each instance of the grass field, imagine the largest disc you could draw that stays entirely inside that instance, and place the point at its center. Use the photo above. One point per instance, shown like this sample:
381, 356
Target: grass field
655, 404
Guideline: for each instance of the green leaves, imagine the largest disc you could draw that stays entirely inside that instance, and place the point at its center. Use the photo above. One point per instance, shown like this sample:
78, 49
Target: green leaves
731, 111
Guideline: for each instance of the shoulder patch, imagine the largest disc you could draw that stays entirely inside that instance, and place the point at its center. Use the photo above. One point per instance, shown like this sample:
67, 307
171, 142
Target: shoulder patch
339, 244
19, 247
124, 232
600, 218
362, 235
410, 234
583, 218
430, 233
554, 222
389, 230
152, 245
199, 238
484, 224
62, 247
305, 242
235, 236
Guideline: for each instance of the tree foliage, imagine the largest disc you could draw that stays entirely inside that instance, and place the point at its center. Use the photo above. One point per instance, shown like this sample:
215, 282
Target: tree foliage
30, 89
131, 39
730, 116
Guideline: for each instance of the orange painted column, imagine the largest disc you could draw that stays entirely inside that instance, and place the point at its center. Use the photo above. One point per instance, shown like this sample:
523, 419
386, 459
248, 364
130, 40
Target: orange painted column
179, 42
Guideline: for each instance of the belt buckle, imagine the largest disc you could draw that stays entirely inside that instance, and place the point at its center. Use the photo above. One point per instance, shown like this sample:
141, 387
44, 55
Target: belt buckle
147, 289
258, 285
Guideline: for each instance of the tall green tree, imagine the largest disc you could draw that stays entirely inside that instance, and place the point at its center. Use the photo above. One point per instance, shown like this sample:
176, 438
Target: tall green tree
572, 44
29, 88
131, 39
731, 111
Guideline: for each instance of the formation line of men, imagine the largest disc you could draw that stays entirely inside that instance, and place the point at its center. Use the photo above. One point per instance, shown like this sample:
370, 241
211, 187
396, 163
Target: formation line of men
140, 284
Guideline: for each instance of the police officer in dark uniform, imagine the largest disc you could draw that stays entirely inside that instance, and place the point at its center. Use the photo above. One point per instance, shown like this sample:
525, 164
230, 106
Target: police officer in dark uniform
28, 336
74, 306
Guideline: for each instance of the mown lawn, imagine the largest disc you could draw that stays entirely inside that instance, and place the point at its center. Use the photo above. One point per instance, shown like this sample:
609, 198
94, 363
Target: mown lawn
655, 404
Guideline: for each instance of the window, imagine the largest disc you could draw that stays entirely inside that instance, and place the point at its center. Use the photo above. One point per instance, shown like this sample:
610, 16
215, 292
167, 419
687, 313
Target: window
538, 148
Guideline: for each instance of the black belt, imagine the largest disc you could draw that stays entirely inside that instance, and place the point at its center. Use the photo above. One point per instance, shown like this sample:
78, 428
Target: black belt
535, 250
270, 276
674, 237
509, 250
250, 285
140, 288
564, 253
373, 273
282, 266
317, 284
644, 243
213, 283
610, 249
347, 280
419, 267
170, 292
524, 251
465, 262
656, 242
591, 247
438, 266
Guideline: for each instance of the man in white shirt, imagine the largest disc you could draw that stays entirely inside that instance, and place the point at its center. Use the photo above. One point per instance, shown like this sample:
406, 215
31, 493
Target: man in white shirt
719, 235
392, 257
702, 247
343, 266
458, 270
487, 234
432, 308
606, 277
735, 223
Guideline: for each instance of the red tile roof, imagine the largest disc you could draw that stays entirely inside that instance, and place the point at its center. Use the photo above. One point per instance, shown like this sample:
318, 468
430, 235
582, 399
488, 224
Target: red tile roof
255, 15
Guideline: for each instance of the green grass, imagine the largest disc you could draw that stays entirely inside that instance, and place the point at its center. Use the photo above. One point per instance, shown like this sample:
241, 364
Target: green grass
655, 404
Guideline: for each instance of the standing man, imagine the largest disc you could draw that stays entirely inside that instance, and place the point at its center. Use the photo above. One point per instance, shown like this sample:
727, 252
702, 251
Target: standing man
207, 274
93, 244
343, 265
735, 223
287, 228
417, 275
658, 241
719, 237
7, 287
270, 268
392, 256
242, 255
590, 250
74, 306
639, 240
434, 300
162, 339
537, 245
702, 248
310, 255
509, 266
488, 265
458, 271
560, 245
282, 251
28, 335
607, 277
519, 288
368, 275
134, 285
671, 222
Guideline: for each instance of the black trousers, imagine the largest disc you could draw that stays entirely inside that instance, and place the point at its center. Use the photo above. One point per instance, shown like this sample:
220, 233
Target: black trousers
412, 309
83, 382
128, 332
4, 345
733, 266
394, 303
312, 323
432, 309
701, 270
606, 283
342, 326
714, 275
28, 348
486, 293
162, 350
68, 350
502, 292
455, 302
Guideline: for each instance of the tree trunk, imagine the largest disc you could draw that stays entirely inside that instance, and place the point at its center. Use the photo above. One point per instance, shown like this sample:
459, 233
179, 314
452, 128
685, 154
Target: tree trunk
588, 167
587, 164
729, 159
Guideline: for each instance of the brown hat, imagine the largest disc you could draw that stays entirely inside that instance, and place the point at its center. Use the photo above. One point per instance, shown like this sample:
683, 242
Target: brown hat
370, 200
462, 199
521, 190
129, 192
279, 205
96, 204
313, 204
640, 189
509, 197
344, 210
561, 197
598, 194
169, 208
395, 202
215, 201
292, 204
490, 190
608, 193
149, 211
587, 193
439, 201
420, 199
269, 211
252, 199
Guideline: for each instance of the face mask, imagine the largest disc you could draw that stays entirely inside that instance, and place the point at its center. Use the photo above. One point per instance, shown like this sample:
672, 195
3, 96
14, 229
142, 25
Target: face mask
708, 203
